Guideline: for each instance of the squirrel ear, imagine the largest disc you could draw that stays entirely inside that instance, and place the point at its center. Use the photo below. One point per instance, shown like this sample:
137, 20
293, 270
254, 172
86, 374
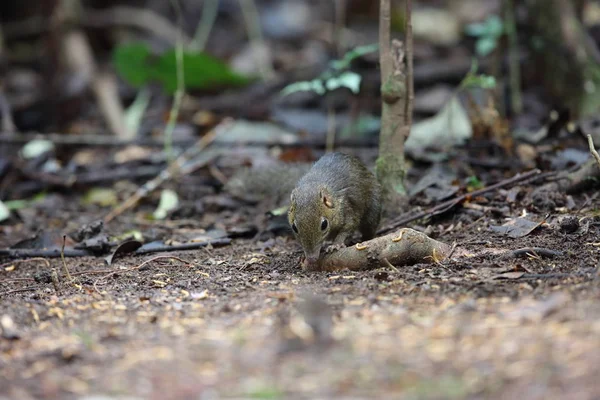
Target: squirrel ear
326, 198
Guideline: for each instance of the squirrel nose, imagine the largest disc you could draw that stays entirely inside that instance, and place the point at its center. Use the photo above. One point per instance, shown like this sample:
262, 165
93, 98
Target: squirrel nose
313, 256
312, 259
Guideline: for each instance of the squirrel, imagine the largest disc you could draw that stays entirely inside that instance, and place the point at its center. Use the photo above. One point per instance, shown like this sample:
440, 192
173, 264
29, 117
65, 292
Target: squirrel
336, 197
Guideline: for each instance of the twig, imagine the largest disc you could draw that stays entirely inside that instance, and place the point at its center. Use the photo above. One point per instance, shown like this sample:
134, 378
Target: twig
388, 264
55, 253
107, 94
593, 149
408, 39
178, 97
47, 253
62, 257
61, 139
447, 205
140, 17
186, 246
176, 167
207, 20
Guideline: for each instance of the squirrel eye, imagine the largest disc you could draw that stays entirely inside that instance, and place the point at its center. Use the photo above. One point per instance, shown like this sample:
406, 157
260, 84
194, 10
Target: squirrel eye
324, 224
294, 227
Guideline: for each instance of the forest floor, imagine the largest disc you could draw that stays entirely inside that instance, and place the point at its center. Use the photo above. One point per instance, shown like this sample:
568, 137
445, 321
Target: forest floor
244, 321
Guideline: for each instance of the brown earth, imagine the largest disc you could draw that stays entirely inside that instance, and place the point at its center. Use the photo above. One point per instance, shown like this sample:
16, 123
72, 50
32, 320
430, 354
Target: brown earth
244, 321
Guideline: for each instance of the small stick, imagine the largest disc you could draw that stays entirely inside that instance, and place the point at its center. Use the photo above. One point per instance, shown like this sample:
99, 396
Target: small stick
62, 257
593, 149
446, 205
55, 253
165, 175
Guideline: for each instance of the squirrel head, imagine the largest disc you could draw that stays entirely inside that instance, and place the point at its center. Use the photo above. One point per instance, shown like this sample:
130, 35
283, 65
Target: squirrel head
313, 214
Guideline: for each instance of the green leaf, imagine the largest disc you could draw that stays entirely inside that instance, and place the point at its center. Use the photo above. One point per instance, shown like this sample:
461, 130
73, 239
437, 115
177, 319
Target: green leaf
138, 66
485, 45
473, 80
200, 71
350, 80
473, 183
168, 202
479, 81
352, 55
491, 27
304, 86
131, 62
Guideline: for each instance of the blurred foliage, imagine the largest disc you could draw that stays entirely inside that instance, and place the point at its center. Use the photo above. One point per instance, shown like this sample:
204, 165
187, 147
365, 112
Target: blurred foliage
488, 34
473, 183
138, 66
475, 80
336, 76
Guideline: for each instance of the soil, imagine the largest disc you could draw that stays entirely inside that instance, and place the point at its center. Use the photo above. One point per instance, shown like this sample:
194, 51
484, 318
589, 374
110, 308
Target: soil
244, 321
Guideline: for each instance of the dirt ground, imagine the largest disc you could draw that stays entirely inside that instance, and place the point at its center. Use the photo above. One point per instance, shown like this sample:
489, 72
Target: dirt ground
244, 321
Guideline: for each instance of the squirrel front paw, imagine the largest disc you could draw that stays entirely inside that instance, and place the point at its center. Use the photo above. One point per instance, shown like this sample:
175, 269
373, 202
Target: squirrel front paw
333, 247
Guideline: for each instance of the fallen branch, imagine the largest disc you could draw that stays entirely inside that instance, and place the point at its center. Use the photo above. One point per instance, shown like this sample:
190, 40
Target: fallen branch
585, 176
46, 253
56, 253
86, 140
143, 18
447, 205
186, 246
405, 247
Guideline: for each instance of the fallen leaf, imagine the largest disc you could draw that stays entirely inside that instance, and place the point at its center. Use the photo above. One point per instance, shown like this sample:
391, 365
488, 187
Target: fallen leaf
516, 227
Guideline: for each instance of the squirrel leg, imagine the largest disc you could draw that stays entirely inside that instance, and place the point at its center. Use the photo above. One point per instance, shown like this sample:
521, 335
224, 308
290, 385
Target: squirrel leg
370, 221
